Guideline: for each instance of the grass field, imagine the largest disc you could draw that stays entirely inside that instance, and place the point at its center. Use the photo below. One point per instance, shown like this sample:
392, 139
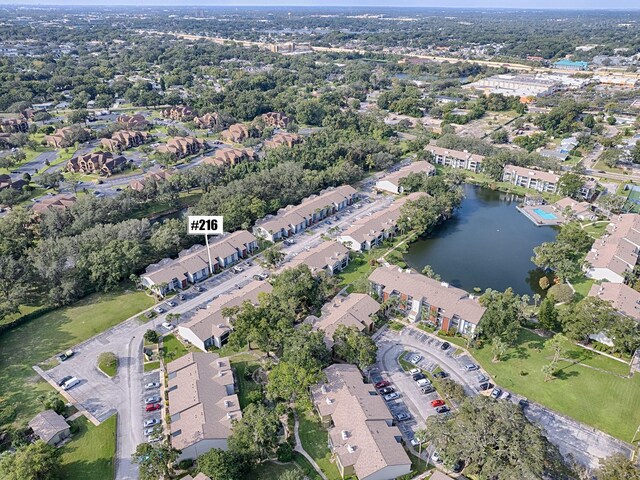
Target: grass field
151, 366
92, 451
602, 399
108, 363
314, 440
40, 338
271, 470
172, 348
242, 363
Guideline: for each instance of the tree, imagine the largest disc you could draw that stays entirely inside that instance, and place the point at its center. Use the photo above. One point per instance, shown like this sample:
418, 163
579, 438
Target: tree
35, 461
548, 370
500, 136
589, 316
548, 315
451, 390
155, 460
624, 332
428, 271
50, 180
273, 255
564, 255
354, 347
536, 299
499, 349
291, 475
502, 317
151, 336
290, 382
611, 120
494, 440
570, 184
52, 401
256, 433
223, 465
589, 121
77, 116
617, 467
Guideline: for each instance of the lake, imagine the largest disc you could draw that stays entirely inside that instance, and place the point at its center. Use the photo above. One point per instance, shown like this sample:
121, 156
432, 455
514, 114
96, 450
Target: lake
486, 244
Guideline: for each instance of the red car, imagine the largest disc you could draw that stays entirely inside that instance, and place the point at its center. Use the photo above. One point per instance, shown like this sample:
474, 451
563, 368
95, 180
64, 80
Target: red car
152, 407
382, 384
437, 403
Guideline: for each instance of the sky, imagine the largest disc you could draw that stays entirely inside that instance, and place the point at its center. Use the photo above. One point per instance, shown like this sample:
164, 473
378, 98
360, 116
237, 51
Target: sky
538, 4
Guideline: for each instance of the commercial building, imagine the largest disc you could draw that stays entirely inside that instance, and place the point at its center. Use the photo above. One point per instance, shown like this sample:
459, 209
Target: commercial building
202, 403
362, 437
516, 85
570, 65
371, 231
424, 299
209, 327
617, 251
530, 178
391, 182
295, 218
455, 158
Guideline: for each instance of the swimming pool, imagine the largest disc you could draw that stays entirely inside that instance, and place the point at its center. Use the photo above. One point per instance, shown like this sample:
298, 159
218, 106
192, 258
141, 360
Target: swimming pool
544, 214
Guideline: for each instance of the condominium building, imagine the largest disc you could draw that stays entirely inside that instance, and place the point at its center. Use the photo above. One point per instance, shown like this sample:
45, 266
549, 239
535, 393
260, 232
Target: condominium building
455, 158
530, 178
391, 182
424, 299
362, 436
331, 257
202, 403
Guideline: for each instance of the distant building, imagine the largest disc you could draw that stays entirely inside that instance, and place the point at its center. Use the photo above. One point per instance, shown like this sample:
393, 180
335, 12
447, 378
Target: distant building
283, 139
455, 158
14, 125
178, 113
104, 163
570, 65
276, 119
236, 133
579, 210
208, 120
123, 140
183, 146
622, 297
530, 178
227, 156
516, 85
60, 202
151, 177
133, 122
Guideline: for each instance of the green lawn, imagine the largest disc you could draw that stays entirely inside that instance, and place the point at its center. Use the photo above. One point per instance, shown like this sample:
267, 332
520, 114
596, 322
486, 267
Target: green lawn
172, 348
91, 452
600, 399
108, 364
42, 337
582, 286
305, 466
597, 229
150, 366
270, 470
242, 364
314, 440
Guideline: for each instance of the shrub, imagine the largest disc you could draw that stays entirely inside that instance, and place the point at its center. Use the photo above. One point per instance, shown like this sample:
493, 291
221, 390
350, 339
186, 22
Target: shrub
108, 363
185, 464
562, 293
544, 283
151, 336
284, 452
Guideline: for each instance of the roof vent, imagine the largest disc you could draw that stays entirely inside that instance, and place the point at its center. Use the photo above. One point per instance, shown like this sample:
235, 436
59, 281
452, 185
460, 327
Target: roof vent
324, 389
220, 363
227, 403
329, 401
351, 448
221, 373
345, 434
229, 415
444, 284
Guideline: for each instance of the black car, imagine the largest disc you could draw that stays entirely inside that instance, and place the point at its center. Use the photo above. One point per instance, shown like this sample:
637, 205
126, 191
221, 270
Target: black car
386, 390
485, 386
441, 374
418, 376
445, 346
442, 409
458, 466
523, 404
64, 380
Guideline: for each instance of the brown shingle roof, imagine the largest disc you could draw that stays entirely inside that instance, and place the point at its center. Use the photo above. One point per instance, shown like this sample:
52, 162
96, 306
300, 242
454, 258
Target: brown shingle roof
622, 297
354, 310
48, 424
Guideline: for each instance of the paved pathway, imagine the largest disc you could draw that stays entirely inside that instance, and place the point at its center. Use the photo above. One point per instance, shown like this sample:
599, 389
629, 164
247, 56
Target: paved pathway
298, 448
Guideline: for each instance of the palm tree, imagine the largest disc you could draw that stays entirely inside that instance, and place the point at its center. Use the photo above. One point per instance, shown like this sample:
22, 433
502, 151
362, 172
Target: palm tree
536, 299
525, 300
548, 371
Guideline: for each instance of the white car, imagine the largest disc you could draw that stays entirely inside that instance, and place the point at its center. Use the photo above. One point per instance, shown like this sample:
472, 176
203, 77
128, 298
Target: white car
151, 386
391, 396
72, 382
505, 395
151, 422
414, 371
168, 325
416, 442
423, 382
436, 458
415, 359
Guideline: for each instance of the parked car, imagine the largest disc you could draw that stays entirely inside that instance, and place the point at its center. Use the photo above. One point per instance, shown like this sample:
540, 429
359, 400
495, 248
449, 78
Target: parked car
436, 458
391, 396
427, 389
155, 439
171, 303
386, 390
159, 309
443, 409
416, 442
437, 403
198, 288
153, 399
72, 382
458, 466
415, 359
182, 297
441, 374
470, 367
237, 269
485, 386
168, 325
418, 376
413, 371
152, 421
401, 417
523, 403
422, 382
65, 355
482, 378
148, 314
153, 407
505, 395
149, 431
151, 386
496, 392
445, 345
257, 277
64, 380
382, 384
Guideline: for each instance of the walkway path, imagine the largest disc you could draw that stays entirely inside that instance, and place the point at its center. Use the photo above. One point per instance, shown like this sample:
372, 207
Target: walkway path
299, 448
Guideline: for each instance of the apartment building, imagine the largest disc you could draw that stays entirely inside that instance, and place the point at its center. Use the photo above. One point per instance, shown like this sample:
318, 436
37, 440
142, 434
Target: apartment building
149, 179
59, 202
622, 297
178, 113
276, 120
123, 140
330, 257
202, 403
391, 182
183, 146
133, 122
283, 139
227, 156
14, 125
192, 265
295, 218
362, 436
617, 251
208, 120
530, 178
424, 299
63, 137
574, 209
455, 158
236, 133
104, 163
371, 231
209, 327
354, 310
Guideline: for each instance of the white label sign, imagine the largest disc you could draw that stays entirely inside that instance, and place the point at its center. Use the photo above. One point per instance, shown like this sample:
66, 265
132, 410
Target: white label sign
204, 225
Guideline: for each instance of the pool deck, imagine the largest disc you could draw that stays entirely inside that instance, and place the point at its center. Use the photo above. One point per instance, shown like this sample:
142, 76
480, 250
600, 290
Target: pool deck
529, 212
